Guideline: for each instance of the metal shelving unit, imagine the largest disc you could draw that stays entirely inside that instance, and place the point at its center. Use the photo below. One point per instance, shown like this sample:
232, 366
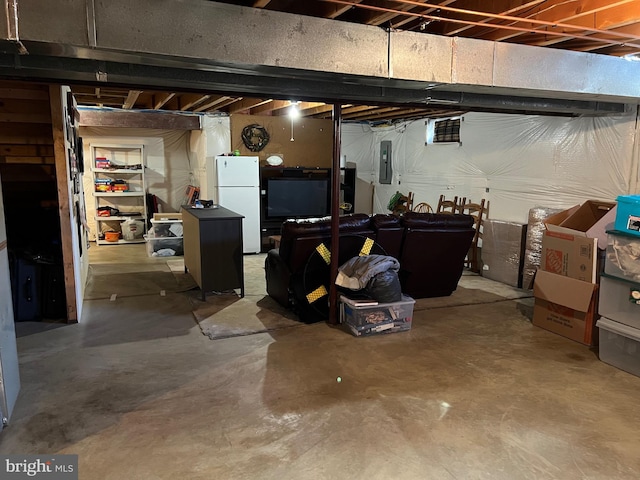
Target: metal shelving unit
120, 166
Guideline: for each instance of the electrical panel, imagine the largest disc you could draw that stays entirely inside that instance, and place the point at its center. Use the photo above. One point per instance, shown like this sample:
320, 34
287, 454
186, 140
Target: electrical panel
386, 171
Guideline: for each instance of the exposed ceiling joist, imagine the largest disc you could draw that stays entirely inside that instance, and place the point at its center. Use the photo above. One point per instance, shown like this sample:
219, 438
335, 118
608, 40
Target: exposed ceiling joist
131, 99
163, 99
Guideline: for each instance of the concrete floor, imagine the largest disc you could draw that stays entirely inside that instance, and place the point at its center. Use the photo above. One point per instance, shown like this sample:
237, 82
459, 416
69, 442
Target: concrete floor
473, 391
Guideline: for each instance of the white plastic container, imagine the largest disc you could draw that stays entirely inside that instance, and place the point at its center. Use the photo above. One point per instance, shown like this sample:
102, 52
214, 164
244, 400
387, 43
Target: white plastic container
619, 345
164, 246
619, 300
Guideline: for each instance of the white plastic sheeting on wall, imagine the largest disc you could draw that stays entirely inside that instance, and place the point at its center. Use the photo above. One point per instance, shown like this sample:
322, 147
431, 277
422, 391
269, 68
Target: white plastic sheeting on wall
214, 139
516, 162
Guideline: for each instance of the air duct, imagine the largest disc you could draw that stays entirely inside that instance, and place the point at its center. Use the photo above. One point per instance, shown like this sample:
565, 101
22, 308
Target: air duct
315, 59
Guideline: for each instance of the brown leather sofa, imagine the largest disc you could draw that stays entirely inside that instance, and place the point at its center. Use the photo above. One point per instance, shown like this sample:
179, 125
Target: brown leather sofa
431, 249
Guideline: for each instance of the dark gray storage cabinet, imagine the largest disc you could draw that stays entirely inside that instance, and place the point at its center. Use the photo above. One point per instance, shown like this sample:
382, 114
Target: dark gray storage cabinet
213, 248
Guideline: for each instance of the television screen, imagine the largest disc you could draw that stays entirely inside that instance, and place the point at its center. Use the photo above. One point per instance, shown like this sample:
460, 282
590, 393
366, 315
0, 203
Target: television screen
297, 197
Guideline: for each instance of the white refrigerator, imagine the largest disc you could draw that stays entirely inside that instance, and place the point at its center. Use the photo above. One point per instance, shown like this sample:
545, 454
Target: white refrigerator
235, 184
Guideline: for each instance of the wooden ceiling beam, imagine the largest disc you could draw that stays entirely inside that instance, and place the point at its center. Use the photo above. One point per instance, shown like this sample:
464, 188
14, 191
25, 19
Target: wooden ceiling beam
631, 30
90, 101
220, 105
271, 106
535, 29
192, 101
260, 3
511, 11
132, 97
371, 113
357, 109
594, 16
162, 100
89, 118
320, 109
305, 108
337, 10
247, 104
389, 16
406, 20
212, 104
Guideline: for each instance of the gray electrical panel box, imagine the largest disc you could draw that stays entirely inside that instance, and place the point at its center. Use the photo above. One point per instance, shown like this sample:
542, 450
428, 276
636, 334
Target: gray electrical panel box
386, 171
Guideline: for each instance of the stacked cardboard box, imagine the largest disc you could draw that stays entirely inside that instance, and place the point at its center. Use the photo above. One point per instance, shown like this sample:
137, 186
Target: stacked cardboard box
566, 283
503, 251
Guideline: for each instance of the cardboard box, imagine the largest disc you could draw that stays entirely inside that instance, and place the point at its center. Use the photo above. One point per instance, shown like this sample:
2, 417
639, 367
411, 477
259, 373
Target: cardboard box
167, 216
573, 237
570, 255
566, 306
591, 219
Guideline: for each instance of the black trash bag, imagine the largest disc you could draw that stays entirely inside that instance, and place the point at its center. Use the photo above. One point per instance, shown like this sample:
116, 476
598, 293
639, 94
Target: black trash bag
374, 276
385, 287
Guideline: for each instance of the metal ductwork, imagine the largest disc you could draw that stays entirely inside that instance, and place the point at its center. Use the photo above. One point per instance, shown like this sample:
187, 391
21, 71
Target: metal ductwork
481, 102
205, 45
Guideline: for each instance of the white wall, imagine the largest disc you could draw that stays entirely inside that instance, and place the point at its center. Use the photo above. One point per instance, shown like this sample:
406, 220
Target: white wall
515, 161
214, 139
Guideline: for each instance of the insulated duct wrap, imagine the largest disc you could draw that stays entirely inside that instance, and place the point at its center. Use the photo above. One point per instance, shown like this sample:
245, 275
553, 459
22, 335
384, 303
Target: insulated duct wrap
533, 244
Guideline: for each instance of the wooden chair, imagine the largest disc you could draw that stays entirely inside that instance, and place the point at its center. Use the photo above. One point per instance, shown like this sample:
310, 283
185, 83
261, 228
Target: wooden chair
410, 202
479, 211
404, 204
450, 206
423, 207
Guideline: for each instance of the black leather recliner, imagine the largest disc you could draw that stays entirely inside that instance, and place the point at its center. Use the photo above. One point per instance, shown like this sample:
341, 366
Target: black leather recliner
431, 249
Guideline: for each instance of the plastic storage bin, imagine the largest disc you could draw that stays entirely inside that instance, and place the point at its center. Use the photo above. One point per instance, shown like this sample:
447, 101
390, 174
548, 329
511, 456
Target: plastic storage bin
628, 214
164, 247
622, 256
619, 301
619, 345
165, 239
361, 319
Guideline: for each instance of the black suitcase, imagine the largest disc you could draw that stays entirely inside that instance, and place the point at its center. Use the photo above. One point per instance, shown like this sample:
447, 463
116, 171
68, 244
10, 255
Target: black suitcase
27, 290
54, 304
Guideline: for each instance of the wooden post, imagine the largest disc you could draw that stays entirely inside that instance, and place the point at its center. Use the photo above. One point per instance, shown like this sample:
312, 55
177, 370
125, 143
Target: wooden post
64, 196
335, 215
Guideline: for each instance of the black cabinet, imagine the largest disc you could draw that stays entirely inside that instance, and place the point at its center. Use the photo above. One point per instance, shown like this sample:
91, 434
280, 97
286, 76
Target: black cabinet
213, 248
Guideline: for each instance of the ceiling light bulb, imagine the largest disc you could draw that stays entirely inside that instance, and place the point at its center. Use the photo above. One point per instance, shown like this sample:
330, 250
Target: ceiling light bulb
294, 112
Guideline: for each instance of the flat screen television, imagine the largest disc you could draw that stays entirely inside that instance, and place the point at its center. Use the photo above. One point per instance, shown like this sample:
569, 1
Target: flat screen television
297, 197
